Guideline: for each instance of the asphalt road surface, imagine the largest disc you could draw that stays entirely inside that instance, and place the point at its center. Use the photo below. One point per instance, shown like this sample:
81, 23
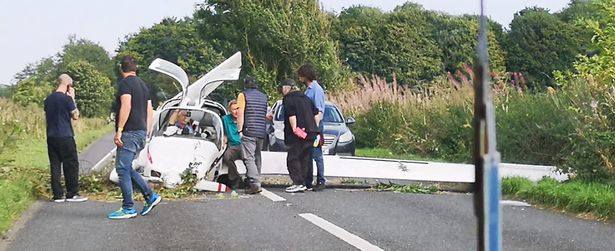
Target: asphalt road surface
334, 219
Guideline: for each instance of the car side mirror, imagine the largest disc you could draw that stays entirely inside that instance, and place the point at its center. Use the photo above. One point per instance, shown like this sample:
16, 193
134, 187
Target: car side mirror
350, 121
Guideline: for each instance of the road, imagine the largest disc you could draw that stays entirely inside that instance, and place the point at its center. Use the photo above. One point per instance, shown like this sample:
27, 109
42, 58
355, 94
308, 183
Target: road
371, 220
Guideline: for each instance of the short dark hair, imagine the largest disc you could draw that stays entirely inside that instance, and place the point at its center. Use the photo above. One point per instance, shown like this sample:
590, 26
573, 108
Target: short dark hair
128, 64
250, 82
288, 82
307, 71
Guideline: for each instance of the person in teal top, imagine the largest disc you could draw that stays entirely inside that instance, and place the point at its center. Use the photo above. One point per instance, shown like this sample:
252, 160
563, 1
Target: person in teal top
233, 144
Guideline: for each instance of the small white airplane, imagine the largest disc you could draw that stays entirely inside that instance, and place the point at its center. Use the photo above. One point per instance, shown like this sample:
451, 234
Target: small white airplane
187, 133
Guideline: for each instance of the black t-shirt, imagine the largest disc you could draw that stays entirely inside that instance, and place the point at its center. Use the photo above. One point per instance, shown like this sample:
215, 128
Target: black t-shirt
299, 105
58, 108
139, 92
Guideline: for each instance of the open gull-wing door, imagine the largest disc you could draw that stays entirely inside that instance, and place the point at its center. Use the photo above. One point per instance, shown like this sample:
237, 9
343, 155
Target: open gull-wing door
173, 71
227, 70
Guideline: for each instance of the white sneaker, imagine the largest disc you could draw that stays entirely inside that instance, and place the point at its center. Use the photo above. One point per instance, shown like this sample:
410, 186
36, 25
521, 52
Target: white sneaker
77, 198
296, 188
60, 200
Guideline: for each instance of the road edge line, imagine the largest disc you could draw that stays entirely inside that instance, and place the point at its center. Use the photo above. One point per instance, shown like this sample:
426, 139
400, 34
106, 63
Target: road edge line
339, 232
98, 164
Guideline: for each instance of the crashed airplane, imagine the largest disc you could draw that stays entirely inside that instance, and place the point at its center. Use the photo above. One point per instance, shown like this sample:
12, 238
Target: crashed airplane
187, 135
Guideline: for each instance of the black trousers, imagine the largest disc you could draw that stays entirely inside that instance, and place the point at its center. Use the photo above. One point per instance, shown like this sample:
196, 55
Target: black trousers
297, 161
62, 153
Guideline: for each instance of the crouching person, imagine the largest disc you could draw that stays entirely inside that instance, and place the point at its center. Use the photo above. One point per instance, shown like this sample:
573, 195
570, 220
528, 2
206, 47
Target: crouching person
233, 145
300, 130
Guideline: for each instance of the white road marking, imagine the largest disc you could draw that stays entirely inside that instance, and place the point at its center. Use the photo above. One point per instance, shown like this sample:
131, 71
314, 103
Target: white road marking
97, 166
339, 232
272, 196
514, 203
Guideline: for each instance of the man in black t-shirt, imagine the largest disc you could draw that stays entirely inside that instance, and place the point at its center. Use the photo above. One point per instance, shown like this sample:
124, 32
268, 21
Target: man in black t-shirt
300, 130
60, 108
133, 120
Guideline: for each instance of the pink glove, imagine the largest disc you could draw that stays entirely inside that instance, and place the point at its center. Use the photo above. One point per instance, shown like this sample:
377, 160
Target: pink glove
300, 132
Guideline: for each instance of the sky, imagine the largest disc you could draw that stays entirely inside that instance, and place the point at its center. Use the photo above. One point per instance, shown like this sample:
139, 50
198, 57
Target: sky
33, 29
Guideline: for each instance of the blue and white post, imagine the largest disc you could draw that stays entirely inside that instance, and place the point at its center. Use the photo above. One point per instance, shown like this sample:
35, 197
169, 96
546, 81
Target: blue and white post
487, 191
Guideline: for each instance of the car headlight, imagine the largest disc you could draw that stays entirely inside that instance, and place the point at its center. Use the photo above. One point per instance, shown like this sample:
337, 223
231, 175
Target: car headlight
346, 137
279, 134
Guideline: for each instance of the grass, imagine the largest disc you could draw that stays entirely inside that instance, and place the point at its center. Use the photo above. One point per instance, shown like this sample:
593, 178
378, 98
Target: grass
25, 176
585, 198
411, 188
33, 152
387, 154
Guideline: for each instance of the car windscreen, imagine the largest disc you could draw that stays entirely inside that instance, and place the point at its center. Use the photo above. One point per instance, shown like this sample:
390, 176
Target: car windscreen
331, 114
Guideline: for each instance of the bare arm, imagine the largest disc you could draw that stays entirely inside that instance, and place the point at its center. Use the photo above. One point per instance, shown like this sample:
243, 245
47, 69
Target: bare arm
293, 122
318, 118
150, 116
240, 118
74, 114
125, 106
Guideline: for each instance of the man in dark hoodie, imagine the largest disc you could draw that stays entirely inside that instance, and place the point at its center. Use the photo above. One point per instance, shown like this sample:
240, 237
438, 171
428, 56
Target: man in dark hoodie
300, 131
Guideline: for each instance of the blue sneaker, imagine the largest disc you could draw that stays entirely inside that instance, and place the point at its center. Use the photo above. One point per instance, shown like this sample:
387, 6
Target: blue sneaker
123, 214
151, 203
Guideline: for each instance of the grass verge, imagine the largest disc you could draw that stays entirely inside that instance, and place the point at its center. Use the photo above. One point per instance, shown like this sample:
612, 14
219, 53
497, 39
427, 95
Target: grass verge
589, 200
26, 177
411, 188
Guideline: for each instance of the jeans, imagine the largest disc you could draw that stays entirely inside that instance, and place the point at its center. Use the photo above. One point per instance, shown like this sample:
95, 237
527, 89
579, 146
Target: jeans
251, 153
134, 141
316, 155
62, 153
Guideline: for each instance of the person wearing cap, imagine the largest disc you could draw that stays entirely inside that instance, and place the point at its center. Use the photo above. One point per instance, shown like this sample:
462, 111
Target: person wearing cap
300, 130
251, 122
316, 94
60, 108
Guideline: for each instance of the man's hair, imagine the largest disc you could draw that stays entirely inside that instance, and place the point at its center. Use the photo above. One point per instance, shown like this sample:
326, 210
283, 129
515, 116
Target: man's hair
250, 82
128, 64
182, 111
64, 78
307, 71
231, 103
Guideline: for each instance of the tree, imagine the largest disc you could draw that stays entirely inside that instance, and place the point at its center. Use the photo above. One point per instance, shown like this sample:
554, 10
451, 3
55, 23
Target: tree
409, 50
457, 38
275, 38
32, 91
397, 43
539, 43
94, 92
6, 91
88, 51
35, 82
358, 33
176, 41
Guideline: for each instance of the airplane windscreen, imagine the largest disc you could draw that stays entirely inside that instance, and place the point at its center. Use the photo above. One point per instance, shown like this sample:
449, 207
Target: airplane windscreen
191, 123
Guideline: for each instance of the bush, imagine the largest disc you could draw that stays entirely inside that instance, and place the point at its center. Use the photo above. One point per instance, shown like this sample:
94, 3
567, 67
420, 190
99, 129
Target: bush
573, 196
534, 128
